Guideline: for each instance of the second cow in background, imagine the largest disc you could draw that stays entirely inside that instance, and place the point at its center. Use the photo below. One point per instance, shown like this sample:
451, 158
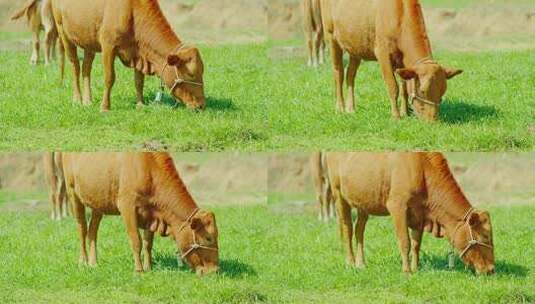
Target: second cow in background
53, 171
322, 186
313, 28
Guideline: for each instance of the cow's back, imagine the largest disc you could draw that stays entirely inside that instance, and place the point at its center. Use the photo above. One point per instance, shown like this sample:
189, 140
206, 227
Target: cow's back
98, 178
354, 26
365, 180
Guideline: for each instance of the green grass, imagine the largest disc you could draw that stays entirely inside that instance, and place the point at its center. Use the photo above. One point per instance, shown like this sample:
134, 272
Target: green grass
259, 104
37, 113
488, 108
267, 255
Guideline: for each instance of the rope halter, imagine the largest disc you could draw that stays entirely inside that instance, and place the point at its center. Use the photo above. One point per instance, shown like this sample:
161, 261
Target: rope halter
195, 244
414, 95
178, 80
472, 241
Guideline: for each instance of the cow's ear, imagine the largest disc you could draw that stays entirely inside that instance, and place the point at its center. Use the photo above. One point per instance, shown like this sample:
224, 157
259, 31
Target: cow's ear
406, 74
450, 73
474, 220
175, 60
196, 224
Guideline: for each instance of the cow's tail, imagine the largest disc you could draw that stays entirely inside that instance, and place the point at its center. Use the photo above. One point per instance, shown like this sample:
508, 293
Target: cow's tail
24, 11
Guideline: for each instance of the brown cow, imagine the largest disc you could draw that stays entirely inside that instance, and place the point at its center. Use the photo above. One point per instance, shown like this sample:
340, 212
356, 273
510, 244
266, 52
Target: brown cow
146, 190
313, 28
415, 189
322, 186
138, 33
39, 16
393, 33
53, 170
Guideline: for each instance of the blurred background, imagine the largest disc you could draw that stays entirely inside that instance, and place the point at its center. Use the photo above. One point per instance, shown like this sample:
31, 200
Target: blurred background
212, 178
497, 179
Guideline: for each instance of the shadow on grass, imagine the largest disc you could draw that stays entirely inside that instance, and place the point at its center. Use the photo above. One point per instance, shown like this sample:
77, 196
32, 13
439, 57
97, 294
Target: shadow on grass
230, 268
212, 103
459, 112
502, 268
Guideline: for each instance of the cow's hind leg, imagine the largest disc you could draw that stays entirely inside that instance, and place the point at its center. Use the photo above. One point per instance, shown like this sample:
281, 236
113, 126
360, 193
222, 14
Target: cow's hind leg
416, 242
148, 238
35, 44
360, 225
92, 237
87, 65
390, 79
70, 49
354, 64
346, 228
79, 214
338, 71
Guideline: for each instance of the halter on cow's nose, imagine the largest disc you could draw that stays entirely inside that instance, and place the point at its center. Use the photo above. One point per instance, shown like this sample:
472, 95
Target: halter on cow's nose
195, 245
472, 241
178, 80
414, 95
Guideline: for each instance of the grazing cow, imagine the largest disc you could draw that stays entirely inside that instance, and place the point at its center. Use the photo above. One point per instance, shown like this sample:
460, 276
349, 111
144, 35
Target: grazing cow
146, 190
322, 186
313, 28
53, 170
138, 33
39, 15
416, 189
393, 33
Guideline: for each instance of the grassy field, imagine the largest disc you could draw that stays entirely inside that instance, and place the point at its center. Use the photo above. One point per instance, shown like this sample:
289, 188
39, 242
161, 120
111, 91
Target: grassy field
37, 113
258, 104
270, 254
488, 108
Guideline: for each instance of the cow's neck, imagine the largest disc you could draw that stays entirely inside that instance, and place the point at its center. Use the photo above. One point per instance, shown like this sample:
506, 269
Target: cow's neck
171, 196
446, 203
155, 38
414, 42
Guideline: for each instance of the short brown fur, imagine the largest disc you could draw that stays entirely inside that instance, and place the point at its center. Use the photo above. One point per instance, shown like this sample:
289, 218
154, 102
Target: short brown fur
146, 190
417, 190
138, 33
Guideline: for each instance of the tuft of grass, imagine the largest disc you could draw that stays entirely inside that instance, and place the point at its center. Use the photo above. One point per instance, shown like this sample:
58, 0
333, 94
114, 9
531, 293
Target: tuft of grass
267, 256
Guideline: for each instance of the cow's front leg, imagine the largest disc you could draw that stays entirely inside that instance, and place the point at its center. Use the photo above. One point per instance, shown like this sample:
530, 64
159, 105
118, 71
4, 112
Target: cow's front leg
404, 109
108, 58
416, 242
148, 238
398, 210
129, 215
139, 78
87, 65
390, 80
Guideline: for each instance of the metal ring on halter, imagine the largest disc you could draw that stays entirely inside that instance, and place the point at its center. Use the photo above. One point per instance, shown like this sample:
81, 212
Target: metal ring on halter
178, 79
472, 241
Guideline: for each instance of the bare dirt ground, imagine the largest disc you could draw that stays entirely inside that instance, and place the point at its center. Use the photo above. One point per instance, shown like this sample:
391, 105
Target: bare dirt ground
202, 21
486, 178
473, 28
212, 178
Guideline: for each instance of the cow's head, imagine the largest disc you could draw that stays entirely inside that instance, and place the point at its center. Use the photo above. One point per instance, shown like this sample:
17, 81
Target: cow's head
473, 240
427, 83
183, 75
197, 241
